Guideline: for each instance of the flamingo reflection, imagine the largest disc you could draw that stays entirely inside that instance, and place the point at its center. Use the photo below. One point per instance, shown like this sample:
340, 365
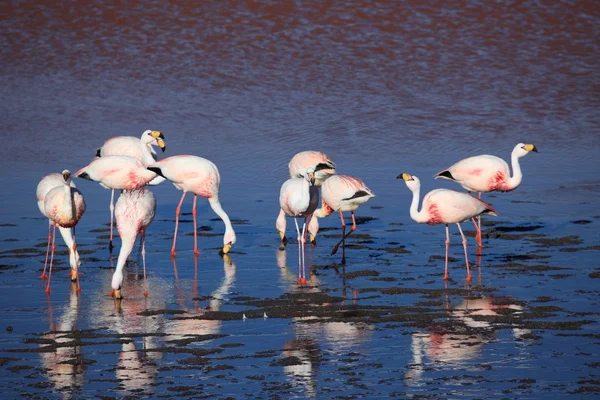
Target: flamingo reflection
186, 326
62, 366
438, 346
311, 333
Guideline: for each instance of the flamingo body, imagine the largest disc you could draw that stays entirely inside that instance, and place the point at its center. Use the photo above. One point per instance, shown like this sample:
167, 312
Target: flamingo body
200, 177
63, 206
319, 162
134, 212
340, 193
486, 173
444, 206
117, 172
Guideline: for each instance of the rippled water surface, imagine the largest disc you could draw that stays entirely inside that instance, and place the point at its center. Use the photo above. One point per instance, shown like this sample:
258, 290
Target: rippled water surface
382, 88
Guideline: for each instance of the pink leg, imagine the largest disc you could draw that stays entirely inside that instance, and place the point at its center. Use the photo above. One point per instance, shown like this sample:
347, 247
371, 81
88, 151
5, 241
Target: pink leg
47, 250
196, 252
446, 276
76, 262
112, 217
177, 212
477, 232
479, 242
143, 238
51, 259
464, 242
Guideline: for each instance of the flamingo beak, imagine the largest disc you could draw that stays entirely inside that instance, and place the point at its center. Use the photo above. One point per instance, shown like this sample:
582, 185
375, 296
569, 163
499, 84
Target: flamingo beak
161, 143
117, 294
282, 236
405, 176
226, 248
312, 237
311, 177
73, 275
530, 147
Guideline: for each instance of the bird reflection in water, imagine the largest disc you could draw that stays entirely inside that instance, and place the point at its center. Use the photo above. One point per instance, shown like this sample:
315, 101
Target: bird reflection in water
462, 340
312, 333
187, 326
63, 366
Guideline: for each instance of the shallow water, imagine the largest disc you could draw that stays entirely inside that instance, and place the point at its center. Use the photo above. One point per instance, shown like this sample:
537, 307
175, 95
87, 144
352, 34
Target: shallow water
382, 90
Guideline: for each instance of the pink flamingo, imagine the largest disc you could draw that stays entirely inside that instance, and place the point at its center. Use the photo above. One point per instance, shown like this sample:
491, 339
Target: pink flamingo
140, 148
444, 206
134, 211
299, 197
117, 172
201, 177
340, 193
63, 206
487, 173
46, 184
323, 168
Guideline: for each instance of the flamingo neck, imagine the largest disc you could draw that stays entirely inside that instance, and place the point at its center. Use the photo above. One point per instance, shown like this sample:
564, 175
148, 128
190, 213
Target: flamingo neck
127, 243
517, 175
216, 206
67, 235
324, 211
415, 214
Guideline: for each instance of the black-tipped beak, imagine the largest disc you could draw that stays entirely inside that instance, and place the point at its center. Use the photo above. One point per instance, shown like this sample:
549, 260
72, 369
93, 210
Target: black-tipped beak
399, 176
157, 171
535, 149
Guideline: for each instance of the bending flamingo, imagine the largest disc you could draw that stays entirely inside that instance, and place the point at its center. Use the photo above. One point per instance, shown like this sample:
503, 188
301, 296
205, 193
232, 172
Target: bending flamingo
340, 193
134, 211
200, 177
140, 148
444, 206
64, 205
487, 173
117, 172
323, 168
299, 197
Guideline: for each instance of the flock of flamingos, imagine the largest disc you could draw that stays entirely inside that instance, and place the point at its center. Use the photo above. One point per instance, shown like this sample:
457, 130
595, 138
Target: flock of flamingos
129, 164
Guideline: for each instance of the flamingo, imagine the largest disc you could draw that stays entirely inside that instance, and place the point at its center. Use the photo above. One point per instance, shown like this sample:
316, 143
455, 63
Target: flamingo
340, 193
201, 177
444, 206
135, 210
323, 168
299, 197
117, 172
487, 173
46, 184
64, 206
138, 148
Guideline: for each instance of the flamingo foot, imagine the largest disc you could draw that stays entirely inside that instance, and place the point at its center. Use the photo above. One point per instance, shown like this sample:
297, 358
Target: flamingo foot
173, 253
446, 277
196, 253
111, 293
145, 293
43, 276
469, 278
302, 281
47, 290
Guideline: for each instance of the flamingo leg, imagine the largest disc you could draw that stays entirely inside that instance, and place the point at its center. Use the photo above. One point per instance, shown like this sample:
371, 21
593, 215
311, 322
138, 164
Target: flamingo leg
76, 271
477, 231
112, 217
196, 252
51, 260
300, 252
446, 277
304, 229
464, 242
44, 276
479, 243
143, 239
177, 212
343, 241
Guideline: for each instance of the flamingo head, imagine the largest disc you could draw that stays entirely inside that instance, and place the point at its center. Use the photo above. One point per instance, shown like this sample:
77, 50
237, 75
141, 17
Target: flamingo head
523, 149
66, 176
228, 240
117, 281
310, 175
154, 137
412, 182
